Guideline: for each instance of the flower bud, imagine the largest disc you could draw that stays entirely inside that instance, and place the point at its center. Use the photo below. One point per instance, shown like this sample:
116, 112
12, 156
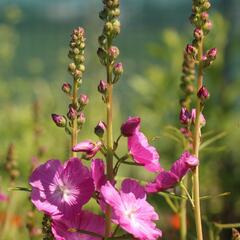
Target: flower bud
129, 127
212, 53
116, 26
206, 5
203, 93
113, 52
71, 67
191, 50
207, 26
204, 16
83, 100
81, 119
102, 87
66, 87
88, 147
198, 33
235, 234
184, 116
72, 113
77, 74
100, 129
118, 69
59, 120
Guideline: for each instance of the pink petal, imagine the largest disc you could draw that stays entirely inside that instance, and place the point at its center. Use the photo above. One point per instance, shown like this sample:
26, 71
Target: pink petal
3, 197
143, 153
129, 127
130, 185
98, 173
61, 228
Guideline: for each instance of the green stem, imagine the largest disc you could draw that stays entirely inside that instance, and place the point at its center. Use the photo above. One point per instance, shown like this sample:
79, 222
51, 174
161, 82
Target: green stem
74, 121
110, 174
183, 212
226, 225
196, 144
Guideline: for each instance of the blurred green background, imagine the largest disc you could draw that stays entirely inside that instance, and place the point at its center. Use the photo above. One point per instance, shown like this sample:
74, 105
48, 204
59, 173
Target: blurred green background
34, 37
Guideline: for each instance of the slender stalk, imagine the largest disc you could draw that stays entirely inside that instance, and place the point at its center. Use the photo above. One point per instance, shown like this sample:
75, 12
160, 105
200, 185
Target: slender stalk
110, 174
74, 135
196, 144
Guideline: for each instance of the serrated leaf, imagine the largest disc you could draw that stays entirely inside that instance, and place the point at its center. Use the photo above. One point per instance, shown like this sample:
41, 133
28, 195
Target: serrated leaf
23, 189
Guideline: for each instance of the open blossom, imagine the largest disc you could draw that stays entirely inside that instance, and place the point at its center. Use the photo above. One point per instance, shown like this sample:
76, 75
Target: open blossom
143, 153
129, 127
88, 147
61, 189
67, 229
131, 210
168, 179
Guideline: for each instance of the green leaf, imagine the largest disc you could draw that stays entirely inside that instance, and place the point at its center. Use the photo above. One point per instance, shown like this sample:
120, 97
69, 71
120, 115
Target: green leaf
215, 196
212, 140
23, 189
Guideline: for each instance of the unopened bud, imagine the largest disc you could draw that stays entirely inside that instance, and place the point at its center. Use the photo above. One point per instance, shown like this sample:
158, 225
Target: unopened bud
191, 50
198, 33
59, 120
203, 93
212, 53
72, 113
83, 100
207, 26
81, 119
118, 69
100, 129
71, 67
102, 87
204, 16
66, 87
116, 26
113, 52
77, 74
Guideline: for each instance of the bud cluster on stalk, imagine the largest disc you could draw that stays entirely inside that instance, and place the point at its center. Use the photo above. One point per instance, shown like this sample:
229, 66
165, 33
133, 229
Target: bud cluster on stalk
108, 53
76, 68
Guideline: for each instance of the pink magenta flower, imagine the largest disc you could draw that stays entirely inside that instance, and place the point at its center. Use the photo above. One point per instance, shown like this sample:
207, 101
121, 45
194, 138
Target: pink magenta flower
129, 127
66, 229
61, 189
143, 153
131, 210
168, 179
88, 147
202, 118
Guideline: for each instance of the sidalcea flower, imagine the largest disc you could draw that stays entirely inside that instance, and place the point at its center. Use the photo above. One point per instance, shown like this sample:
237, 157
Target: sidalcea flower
202, 118
131, 210
59, 120
61, 189
142, 152
88, 147
70, 228
168, 179
129, 127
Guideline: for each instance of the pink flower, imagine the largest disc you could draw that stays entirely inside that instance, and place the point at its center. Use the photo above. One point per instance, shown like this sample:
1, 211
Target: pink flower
184, 116
143, 153
61, 189
3, 197
202, 118
66, 229
129, 127
88, 147
131, 210
168, 179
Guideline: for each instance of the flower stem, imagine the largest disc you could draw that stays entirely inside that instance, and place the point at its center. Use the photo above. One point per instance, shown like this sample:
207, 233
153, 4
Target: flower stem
110, 174
74, 121
196, 144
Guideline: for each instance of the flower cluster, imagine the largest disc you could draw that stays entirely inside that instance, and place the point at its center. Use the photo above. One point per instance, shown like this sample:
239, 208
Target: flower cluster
61, 190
